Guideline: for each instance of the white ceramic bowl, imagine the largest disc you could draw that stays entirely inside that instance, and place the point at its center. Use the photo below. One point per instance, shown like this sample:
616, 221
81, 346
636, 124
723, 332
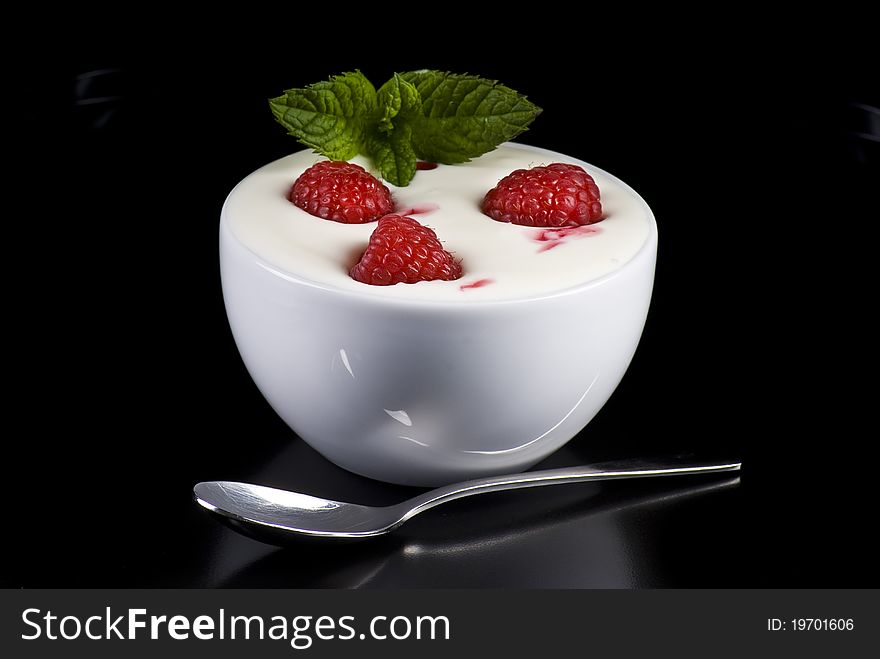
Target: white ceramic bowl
430, 392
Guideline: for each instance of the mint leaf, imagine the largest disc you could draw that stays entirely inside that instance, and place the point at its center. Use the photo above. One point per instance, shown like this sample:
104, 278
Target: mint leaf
389, 142
397, 97
393, 155
330, 116
464, 116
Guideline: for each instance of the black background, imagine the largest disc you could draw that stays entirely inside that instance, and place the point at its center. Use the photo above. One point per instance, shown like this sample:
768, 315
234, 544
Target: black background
127, 387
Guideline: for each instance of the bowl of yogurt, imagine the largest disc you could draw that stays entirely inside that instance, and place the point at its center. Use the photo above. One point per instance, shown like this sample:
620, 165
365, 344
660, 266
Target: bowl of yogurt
440, 381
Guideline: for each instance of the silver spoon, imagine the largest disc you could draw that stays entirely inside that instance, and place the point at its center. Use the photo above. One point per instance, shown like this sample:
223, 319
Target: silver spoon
272, 514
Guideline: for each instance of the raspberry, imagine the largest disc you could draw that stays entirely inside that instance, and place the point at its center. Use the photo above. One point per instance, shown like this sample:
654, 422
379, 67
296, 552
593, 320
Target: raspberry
403, 251
341, 191
557, 195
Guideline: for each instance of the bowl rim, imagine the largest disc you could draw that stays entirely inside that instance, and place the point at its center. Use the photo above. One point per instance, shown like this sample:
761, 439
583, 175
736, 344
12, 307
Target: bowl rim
646, 250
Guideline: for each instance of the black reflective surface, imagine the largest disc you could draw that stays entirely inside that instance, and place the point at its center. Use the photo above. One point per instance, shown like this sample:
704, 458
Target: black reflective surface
128, 388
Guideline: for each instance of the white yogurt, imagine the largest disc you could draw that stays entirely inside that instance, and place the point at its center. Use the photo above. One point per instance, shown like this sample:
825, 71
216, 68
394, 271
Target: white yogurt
505, 261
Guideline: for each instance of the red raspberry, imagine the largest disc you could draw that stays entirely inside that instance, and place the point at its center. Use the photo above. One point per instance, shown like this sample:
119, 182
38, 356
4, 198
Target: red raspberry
403, 251
341, 191
557, 195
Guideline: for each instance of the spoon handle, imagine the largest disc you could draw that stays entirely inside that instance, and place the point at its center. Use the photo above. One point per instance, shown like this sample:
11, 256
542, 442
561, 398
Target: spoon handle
595, 472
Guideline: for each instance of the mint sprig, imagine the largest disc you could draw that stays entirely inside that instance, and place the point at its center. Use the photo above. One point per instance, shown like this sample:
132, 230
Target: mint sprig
433, 115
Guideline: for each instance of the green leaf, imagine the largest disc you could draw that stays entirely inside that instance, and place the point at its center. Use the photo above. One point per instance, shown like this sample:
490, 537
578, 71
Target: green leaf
464, 116
392, 154
330, 116
389, 141
397, 97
